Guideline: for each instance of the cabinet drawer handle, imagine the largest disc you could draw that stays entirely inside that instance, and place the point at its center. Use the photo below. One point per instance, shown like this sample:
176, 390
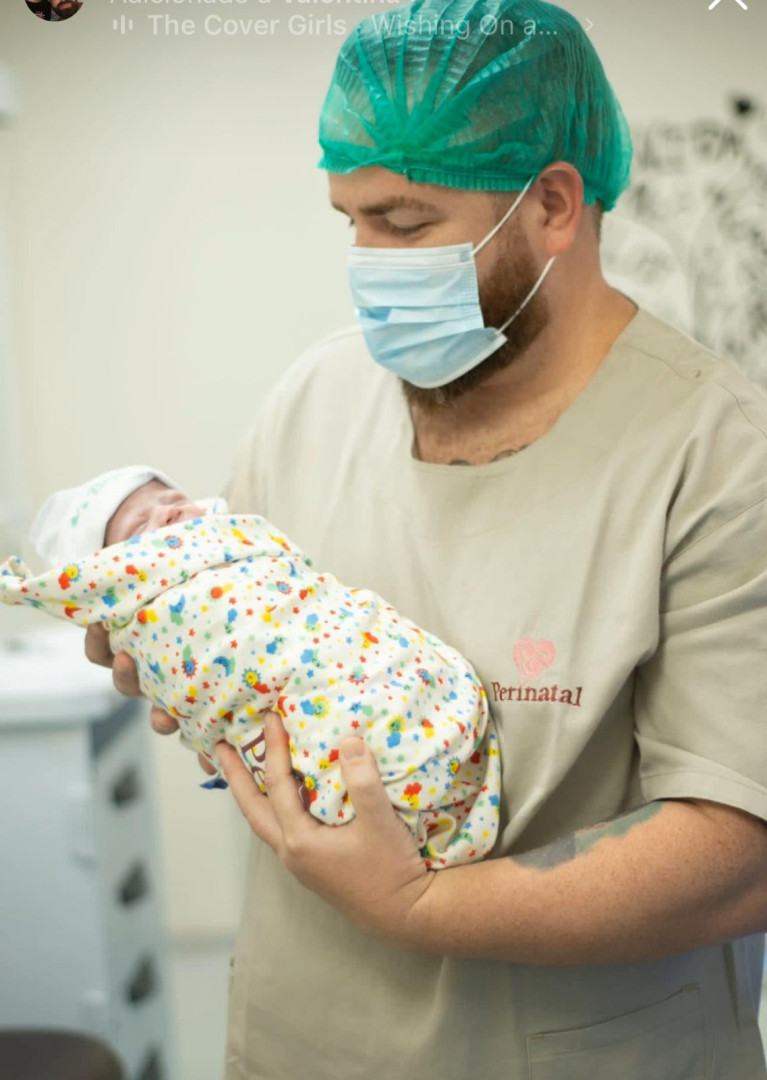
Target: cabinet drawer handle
127, 788
144, 982
135, 885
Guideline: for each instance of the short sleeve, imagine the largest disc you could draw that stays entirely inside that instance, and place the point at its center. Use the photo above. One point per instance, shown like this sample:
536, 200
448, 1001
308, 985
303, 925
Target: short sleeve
701, 699
256, 461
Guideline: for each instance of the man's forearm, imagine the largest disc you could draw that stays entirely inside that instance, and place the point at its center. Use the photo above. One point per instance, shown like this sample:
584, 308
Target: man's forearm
667, 878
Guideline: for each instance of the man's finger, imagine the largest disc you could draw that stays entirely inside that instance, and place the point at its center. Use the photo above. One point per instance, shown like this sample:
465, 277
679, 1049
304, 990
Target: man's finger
254, 806
363, 780
124, 675
205, 765
97, 645
280, 780
161, 723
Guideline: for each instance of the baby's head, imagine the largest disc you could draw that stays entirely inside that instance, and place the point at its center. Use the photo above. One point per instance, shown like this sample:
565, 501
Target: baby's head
149, 507
112, 507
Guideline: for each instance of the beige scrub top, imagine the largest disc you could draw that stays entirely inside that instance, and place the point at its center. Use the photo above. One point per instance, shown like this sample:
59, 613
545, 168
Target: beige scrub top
609, 584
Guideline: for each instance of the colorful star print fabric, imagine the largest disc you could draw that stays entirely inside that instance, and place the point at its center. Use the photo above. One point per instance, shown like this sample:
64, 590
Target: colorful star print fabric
225, 617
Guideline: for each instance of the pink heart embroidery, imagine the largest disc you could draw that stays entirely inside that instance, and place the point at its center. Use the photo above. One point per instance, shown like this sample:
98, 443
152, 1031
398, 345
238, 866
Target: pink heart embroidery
533, 657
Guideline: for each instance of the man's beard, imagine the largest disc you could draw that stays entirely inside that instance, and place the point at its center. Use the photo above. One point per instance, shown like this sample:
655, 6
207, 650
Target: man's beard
66, 9
512, 284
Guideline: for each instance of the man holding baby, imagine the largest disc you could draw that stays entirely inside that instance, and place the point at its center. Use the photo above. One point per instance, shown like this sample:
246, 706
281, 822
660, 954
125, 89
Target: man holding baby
573, 494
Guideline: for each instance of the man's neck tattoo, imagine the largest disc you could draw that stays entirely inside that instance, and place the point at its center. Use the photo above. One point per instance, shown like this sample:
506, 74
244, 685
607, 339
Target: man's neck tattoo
503, 454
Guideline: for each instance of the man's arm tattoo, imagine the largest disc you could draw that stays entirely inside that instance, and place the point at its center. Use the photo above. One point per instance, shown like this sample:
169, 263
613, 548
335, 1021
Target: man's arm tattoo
565, 848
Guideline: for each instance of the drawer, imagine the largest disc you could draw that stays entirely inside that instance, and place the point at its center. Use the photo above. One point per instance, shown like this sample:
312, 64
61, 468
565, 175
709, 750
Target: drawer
141, 1026
124, 804
130, 933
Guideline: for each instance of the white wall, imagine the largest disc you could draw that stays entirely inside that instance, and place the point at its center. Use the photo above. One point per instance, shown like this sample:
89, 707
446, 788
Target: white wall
172, 250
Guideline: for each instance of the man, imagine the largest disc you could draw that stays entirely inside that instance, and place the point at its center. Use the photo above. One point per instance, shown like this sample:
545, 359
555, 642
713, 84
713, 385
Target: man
580, 506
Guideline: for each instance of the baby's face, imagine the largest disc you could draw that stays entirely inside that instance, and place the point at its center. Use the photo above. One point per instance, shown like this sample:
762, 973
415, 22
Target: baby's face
149, 507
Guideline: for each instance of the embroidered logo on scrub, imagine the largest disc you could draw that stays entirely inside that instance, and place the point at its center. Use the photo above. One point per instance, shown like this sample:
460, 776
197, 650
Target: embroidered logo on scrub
533, 658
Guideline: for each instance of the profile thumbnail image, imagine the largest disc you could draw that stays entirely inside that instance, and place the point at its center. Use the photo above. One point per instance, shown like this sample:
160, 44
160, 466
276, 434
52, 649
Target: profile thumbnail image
54, 10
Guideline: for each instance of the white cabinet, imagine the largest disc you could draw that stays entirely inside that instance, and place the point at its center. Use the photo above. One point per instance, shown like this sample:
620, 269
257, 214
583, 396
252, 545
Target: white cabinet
82, 943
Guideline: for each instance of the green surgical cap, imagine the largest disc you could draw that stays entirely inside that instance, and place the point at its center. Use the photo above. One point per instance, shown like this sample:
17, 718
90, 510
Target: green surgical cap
479, 94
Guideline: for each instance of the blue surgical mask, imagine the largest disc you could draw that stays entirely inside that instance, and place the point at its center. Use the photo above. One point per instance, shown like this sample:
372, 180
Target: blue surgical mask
419, 308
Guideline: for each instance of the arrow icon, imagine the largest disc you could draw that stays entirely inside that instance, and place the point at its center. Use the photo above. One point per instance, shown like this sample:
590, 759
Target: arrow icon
716, 3
589, 24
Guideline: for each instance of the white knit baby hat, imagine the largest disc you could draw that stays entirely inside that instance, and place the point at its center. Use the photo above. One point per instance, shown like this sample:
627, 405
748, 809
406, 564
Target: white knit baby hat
71, 523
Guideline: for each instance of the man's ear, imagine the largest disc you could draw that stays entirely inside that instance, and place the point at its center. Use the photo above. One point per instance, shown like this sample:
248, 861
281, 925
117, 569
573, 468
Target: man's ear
559, 189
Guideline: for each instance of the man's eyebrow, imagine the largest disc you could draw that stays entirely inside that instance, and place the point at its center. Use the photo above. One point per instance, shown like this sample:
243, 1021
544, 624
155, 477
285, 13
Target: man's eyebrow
394, 202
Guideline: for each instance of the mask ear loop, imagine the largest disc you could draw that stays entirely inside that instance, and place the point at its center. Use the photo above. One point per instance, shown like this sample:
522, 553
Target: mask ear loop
507, 215
531, 294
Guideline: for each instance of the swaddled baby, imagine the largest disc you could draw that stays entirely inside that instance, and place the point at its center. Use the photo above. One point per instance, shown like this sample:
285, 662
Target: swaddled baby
226, 618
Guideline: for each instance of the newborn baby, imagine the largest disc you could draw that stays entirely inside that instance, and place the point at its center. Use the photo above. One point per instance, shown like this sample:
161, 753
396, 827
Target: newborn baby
226, 618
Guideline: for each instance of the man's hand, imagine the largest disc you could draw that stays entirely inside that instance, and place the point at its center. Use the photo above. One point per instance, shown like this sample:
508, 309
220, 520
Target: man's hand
673, 876
370, 869
126, 681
